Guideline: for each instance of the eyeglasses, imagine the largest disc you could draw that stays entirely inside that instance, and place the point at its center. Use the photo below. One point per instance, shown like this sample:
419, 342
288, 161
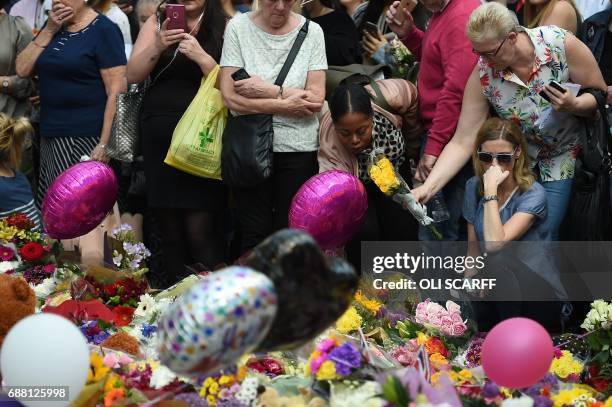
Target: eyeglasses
502, 158
490, 54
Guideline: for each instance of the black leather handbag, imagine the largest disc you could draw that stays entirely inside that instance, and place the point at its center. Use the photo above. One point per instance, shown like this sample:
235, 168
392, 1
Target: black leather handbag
589, 214
246, 153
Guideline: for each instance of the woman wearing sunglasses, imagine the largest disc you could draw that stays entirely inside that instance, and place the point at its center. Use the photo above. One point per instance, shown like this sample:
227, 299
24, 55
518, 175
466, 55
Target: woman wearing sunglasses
504, 203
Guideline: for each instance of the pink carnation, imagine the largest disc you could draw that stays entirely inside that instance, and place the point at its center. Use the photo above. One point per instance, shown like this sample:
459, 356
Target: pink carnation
326, 345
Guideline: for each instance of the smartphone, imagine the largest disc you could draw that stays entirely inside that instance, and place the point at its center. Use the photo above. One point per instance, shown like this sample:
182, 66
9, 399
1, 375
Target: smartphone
240, 74
371, 28
555, 85
409, 5
176, 14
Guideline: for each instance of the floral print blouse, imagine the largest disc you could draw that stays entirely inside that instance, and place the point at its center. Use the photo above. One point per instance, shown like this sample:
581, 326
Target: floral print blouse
552, 151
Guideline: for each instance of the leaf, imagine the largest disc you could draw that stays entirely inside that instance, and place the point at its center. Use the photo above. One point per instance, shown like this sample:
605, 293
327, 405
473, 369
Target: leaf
394, 392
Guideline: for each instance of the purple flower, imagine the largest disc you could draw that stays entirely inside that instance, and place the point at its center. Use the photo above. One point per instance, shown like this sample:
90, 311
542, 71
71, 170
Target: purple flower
394, 317
231, 402
101, 337
541, 401
472, 355
346, 358
490, 390
192, 399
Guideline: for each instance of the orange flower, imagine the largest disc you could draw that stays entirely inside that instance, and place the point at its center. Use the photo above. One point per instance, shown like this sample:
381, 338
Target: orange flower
435, 345
113, 396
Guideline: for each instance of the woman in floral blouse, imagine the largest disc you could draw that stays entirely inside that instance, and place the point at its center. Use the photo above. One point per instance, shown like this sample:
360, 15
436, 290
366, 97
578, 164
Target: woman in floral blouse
515, 68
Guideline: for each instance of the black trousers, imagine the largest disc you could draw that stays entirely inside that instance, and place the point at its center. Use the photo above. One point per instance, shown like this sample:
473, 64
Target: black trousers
385, 221
264, 209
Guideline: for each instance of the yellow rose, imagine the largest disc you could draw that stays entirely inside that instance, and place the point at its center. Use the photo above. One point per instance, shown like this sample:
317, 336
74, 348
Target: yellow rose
349, 321
422, 338
465, 375
438, 361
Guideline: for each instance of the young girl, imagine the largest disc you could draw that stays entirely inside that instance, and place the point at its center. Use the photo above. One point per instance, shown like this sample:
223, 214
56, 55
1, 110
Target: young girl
15, 191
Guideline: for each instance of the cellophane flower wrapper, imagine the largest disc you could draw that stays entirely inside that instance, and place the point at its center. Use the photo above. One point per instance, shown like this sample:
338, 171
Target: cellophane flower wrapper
386, 177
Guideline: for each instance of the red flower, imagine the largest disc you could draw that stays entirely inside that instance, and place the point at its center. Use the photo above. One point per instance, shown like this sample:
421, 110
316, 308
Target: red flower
435, 345
20, 221
123, 315
32, 251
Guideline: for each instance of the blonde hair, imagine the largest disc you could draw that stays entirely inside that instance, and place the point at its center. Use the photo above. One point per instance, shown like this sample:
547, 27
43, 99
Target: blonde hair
13, 139
491, 21
498, 129
533, 18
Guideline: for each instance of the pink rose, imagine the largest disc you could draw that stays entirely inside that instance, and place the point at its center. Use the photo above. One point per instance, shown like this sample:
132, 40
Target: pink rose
446, 325
453, 307
421, 312
111, 360
459, 329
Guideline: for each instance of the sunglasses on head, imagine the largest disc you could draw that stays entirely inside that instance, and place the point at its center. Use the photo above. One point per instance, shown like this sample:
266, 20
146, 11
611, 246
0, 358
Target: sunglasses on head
502, 158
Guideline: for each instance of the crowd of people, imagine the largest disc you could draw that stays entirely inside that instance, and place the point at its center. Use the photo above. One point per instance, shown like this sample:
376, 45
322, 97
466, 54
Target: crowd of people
470, 136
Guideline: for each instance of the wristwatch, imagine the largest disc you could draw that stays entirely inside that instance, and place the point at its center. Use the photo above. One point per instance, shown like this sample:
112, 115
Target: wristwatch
488, 198
5, 85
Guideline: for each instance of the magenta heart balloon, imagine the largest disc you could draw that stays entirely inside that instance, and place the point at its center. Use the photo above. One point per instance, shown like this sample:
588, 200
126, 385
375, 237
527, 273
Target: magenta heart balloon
79, 199
331, 207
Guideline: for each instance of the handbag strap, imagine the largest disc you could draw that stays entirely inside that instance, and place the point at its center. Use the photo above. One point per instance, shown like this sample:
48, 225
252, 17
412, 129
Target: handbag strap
292, 54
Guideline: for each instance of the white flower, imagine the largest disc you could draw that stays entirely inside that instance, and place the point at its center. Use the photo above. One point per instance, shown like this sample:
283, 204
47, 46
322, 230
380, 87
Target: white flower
146, 308
602, 309
117, 259
45, 288
161, 377
523, 401
248, 390
8, 266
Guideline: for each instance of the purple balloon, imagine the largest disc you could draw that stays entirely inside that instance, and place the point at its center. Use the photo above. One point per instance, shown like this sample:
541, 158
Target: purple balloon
331, 207
79, 199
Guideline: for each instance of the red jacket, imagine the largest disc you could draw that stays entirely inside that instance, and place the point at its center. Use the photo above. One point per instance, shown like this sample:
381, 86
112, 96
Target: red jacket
446, 62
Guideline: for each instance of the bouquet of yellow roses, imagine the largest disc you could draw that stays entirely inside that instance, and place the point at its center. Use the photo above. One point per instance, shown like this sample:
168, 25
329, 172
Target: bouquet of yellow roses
390, 182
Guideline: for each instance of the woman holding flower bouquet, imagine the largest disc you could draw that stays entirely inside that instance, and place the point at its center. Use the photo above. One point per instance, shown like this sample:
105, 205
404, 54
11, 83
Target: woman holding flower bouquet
355, 126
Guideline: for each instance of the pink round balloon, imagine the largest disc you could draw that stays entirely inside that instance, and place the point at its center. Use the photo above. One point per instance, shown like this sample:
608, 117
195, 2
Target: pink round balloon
79, 199
517, 353
331, 207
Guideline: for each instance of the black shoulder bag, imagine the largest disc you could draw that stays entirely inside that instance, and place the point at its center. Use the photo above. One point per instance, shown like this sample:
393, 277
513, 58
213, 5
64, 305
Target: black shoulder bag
589, 214
246, 153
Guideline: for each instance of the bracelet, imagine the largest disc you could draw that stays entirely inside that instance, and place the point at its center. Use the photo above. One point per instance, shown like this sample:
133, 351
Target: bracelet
103, 146
38, 45
488, 198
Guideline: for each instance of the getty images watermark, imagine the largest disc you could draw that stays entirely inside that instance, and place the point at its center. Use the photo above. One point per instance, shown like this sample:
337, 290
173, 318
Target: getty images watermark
514, 271
406, 263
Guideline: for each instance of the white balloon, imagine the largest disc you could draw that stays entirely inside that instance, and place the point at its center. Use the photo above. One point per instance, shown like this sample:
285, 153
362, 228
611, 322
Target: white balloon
45, 350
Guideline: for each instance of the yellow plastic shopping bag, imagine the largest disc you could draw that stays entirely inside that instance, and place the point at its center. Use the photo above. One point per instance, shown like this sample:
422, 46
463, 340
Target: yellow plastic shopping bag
196, 141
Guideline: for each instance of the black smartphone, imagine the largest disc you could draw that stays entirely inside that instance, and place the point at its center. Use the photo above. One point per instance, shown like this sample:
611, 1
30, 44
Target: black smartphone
240, 75
555, 85
371, 28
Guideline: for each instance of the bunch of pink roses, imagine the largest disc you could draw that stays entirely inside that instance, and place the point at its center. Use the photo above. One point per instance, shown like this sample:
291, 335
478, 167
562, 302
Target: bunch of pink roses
447, 320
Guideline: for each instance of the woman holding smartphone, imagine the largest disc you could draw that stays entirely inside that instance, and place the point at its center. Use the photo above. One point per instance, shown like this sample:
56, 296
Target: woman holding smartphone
80, 62
175, 53
515, 68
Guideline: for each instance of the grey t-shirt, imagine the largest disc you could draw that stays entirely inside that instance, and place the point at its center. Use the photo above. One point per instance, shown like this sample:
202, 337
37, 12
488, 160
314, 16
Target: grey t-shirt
262, 54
